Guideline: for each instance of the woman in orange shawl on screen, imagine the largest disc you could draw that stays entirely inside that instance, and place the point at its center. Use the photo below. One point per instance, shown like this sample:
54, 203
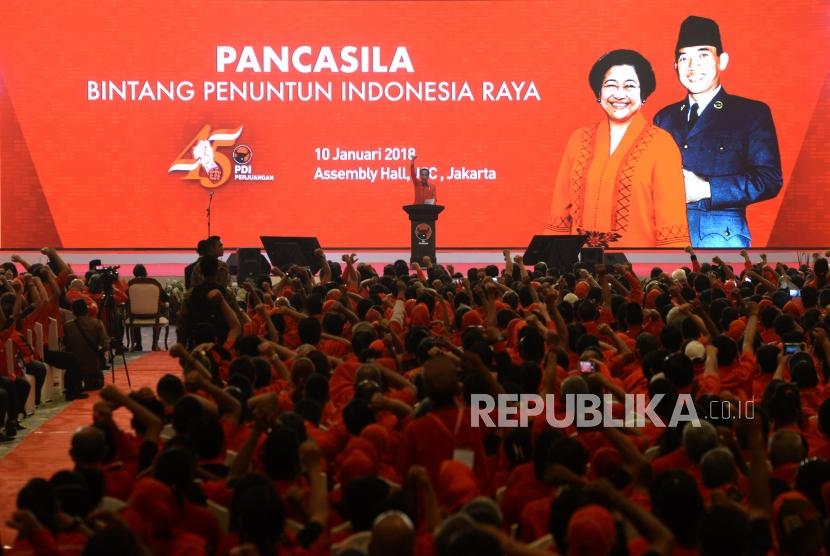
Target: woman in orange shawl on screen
621, 180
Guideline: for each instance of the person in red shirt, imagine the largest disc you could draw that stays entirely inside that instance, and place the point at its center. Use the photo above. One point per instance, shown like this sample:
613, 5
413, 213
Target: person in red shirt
445, 431
151, 512
176, 467
43, 528
76, 291
424, 189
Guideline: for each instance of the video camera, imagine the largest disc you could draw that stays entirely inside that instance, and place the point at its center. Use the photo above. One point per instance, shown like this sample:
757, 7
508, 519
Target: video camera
108, 276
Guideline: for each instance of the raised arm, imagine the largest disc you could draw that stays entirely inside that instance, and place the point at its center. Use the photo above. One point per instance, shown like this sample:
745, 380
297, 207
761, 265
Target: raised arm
636, 289
271, 351
230, 406
352, 276
693, 258
242, 462
325, 269
412, 173
55, 258
751, 327
820, 338
623, 351
602, 277
758, 489
270, 330
508, 262
318, 500
519, 261
553, 310
198, 377
234, 326
767, 284
152, 423
711, 365
701, 325
19, 260
659, 536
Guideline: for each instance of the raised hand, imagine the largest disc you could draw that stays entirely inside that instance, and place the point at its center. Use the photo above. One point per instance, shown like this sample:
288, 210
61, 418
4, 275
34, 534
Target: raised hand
215, 296
25, 522
310, 454
111, 394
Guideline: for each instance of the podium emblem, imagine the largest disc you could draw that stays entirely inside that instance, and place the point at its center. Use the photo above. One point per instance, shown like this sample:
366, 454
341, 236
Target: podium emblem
423, 232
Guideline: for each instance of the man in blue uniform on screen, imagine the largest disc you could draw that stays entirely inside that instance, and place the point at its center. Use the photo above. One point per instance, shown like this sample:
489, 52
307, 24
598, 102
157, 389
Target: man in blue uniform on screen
728, 143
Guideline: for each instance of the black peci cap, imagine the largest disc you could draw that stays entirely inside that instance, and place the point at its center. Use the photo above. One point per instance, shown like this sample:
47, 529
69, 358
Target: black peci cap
698, 31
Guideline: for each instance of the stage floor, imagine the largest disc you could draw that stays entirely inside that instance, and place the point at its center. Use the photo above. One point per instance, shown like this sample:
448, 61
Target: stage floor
170, 263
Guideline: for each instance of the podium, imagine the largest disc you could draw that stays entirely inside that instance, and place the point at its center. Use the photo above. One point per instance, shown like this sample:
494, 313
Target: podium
422, 235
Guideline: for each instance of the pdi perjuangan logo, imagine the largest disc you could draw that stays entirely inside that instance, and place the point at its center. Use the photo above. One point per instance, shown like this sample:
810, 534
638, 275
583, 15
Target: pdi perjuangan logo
205, 161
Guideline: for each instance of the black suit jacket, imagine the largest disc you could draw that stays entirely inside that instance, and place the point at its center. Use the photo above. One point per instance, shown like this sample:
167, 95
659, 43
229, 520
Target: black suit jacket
735, 148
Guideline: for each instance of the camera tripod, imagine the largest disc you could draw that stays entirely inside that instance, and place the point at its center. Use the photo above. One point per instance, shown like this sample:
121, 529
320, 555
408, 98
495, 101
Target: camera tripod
114, 325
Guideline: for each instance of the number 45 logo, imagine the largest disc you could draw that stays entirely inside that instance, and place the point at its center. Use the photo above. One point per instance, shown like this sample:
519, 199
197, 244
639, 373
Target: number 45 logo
205, 156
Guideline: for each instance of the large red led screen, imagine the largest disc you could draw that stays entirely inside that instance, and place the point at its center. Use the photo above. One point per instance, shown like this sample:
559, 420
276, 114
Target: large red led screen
119, 119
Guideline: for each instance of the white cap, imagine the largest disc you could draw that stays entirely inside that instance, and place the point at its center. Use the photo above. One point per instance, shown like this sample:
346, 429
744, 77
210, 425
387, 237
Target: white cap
679, 275
675, 317
695, 350
571, 298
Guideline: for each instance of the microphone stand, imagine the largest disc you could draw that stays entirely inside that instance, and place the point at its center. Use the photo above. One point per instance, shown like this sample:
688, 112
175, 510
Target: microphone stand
210, 200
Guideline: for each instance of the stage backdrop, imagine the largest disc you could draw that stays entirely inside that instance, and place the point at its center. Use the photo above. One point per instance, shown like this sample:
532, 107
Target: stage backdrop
118, 119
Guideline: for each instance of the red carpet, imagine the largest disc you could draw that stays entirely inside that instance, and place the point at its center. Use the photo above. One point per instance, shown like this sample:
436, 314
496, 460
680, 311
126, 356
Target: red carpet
46, 450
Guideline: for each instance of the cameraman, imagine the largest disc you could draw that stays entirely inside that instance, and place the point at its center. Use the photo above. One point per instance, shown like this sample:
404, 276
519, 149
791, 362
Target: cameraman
86, 339
106, 279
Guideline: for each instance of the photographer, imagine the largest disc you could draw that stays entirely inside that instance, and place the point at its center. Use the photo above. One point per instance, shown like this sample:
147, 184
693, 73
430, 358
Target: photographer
86, 339
104, 281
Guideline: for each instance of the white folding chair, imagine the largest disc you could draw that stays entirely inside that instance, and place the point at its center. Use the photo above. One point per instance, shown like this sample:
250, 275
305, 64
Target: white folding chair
29, 408
111, 504
543, 543
52, 339
144, 308
53, 343
358, 541
223, 515
294, 525
47, 393
167, 432
32, 339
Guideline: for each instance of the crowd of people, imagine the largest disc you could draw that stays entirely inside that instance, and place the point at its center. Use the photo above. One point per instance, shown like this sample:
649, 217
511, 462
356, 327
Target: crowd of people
330, 414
